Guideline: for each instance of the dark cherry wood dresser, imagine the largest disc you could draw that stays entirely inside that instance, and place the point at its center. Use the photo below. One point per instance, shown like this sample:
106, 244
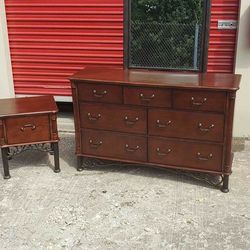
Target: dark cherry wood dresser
175, 120
28, 123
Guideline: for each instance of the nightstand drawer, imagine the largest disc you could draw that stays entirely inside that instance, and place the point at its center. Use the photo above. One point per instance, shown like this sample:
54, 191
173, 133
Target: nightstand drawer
27, 129
186, 154
199, 100
147, 96
113, 117
190, 125
100, 93
114, 145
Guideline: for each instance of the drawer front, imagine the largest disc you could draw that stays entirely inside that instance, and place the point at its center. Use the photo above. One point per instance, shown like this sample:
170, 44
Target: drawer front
186, 154
113, 117
199, 100
147, 96
114, 145
100, 93
191, 125
28, 129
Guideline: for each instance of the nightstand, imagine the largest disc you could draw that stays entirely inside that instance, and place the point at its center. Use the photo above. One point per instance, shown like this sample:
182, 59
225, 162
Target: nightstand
28, 123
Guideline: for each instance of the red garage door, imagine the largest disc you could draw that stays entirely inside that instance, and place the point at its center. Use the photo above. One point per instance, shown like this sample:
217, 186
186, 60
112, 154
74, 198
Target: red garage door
51, 39
222, 43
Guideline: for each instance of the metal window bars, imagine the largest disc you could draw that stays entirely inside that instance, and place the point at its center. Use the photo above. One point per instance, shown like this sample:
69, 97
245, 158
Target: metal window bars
155, 45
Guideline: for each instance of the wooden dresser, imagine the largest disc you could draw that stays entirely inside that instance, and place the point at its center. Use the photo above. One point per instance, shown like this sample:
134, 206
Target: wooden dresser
175, 120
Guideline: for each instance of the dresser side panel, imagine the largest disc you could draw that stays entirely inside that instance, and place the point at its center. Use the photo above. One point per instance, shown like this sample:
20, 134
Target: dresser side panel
229, 118
76, 116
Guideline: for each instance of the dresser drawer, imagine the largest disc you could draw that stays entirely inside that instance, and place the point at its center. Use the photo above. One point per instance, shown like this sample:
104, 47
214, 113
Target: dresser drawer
191, 125
113, 117
147, 96
100, 93
33, 128
186, 154
114, 145
199, 100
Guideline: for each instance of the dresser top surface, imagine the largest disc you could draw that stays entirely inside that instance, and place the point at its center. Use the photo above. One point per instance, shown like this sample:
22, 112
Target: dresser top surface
27, 105
158, 78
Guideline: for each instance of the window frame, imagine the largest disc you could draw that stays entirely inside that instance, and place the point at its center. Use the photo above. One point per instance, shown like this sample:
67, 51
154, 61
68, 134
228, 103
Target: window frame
204, 39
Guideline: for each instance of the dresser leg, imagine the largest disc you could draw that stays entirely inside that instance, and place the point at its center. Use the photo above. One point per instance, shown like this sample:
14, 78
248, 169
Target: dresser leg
79, 163
5, 162
56, 157
224, 187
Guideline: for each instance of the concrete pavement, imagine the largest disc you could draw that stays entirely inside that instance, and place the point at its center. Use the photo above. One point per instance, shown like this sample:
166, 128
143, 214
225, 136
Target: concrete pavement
116, 206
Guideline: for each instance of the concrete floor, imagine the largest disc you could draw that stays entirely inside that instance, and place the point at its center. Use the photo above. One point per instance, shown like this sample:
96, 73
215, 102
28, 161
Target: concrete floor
120, 206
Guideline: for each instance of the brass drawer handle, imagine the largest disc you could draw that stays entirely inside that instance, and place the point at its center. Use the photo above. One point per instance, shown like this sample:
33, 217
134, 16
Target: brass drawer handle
161, 125
95, 144
158, 150
130, 122
32, 126
128, 149
147, 99
200, 126
196, 103
204, 158
94, 118
99, 94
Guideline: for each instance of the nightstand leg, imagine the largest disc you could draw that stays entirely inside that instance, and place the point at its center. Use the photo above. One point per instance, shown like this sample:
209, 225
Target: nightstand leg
5, 162
79, 163
56, 157
224, 187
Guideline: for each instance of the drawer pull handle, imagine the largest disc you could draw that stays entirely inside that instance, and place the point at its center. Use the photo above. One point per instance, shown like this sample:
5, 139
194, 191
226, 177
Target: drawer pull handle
161, 125
147, 99
158, 150
32, 126
130, 122
196, 103
94, 118
99, 94
95, 145
200, 126
203, 158
128, 149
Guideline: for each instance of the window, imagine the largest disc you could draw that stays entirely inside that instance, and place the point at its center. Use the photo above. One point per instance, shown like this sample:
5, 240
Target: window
166, 34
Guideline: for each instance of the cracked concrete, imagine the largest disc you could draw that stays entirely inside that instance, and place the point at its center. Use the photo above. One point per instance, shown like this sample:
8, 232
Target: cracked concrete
117, 206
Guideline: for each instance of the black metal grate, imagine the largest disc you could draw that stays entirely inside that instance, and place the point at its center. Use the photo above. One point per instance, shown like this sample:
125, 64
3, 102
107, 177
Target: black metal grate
165, 45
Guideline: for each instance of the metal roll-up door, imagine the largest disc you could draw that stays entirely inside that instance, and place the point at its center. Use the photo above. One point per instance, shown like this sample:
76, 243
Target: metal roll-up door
222, 42
51, 39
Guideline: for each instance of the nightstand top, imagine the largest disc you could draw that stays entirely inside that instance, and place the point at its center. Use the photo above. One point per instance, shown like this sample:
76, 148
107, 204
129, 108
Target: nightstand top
27, 105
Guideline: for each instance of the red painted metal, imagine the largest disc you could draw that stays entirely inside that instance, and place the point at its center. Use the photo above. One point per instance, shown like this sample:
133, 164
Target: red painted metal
51, 39
222, 43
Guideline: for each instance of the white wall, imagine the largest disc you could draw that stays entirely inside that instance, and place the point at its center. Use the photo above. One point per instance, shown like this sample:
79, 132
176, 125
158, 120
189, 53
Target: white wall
6, 79
242, 109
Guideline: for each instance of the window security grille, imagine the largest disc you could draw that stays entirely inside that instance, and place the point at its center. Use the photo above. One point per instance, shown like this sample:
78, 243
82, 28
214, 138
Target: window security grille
165, 45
